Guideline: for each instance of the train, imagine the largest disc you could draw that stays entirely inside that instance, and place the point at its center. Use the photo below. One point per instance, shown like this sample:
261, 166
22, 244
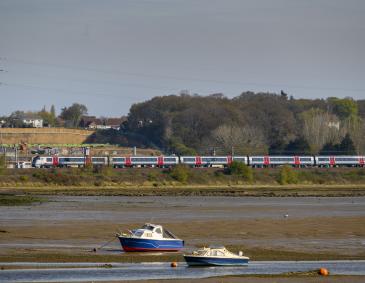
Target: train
259, 161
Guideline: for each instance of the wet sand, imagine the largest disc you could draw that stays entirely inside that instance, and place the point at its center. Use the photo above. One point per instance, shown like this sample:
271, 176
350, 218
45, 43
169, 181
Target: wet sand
273, 279
68, 228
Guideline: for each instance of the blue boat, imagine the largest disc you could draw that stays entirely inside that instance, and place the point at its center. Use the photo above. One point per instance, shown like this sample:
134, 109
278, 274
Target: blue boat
215, 256
149, 238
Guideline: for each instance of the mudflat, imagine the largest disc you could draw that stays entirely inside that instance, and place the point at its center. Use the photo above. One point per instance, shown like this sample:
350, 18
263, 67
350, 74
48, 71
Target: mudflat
68, 228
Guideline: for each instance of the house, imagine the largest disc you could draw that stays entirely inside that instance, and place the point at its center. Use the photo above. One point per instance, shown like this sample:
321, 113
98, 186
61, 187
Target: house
91, 122
334, 124
32, 121
114, 123
88, 122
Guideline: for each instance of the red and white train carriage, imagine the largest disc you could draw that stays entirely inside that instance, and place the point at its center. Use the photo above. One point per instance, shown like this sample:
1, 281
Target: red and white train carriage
273, 161
211, 161
340, 160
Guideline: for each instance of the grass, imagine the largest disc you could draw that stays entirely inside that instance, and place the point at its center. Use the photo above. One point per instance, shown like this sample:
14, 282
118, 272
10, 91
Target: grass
13, 200
187, 181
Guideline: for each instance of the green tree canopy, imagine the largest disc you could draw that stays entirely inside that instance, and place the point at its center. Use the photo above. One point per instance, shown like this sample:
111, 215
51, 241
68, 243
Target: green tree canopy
72, 115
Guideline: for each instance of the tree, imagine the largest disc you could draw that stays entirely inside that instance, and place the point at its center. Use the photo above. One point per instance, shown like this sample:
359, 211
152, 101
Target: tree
330, 149
244, 140
347, 146
48, 118
355, 127
287, 175
15, 119
72, 115
298, 146
180, 173
242, 170
344, 108
53, 111
319, 128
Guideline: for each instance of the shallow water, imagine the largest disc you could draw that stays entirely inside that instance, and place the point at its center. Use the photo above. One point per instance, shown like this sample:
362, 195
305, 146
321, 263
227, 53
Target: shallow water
104, 208
81, 272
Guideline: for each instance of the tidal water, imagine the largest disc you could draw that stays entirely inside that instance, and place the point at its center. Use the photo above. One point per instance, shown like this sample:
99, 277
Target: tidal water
82, 272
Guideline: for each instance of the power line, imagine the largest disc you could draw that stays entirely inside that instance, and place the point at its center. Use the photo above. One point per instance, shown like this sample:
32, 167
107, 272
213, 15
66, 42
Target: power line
91, 81
63, 90
192, 79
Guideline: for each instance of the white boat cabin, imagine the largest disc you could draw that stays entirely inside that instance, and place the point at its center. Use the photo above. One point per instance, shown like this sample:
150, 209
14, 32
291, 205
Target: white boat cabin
216, 252
152, 231
149, 231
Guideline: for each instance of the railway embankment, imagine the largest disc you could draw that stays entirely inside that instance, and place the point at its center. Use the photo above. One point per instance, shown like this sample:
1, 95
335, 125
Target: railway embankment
283, 181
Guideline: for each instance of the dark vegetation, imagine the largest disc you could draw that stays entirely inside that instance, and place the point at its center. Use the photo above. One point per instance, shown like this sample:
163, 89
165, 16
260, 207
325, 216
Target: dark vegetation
13, 200
252, 123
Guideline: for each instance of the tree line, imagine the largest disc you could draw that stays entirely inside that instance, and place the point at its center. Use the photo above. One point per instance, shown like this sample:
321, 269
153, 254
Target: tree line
69, 117
251, 123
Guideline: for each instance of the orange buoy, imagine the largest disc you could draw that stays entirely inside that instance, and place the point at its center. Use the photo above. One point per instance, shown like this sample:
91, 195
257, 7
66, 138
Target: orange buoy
323, 271
174, 264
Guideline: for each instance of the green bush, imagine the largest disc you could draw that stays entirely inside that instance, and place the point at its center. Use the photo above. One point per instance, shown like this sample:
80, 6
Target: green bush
242, 170
287, 175
2, 163
23, 178
180, 173
152, 176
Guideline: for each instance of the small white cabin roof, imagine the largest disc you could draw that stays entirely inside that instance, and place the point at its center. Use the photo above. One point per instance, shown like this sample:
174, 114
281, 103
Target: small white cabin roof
150, 226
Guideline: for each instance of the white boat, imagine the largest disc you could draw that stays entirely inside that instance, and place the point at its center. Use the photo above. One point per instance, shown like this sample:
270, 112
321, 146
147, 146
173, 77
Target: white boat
215, 256
150, 237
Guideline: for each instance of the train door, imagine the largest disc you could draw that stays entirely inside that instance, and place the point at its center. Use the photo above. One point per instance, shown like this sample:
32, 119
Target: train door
361, 161
332, 161
266, 161
198, 161
229, 160
55, 161
128, 162
160, 161
296, 161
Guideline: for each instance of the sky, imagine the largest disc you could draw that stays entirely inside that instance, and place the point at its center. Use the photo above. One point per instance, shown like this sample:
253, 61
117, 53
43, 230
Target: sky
110, 54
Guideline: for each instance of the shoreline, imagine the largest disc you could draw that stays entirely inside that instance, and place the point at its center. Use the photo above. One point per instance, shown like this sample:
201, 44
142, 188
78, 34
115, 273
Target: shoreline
36, 255
343, 190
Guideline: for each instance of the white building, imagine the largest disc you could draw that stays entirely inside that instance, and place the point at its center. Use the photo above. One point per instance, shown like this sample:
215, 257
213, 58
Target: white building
33, 122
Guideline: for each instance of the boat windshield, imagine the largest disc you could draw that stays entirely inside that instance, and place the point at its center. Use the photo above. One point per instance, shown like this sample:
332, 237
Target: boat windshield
148, 227
212, 252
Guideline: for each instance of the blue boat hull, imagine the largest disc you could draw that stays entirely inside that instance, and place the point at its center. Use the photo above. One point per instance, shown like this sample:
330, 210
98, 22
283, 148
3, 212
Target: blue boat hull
206, 261
150, 245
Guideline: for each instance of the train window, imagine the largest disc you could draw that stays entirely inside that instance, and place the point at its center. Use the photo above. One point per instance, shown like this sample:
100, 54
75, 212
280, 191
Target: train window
257, 159
239, 159
144, 159
305, 159
98, 159
351, 159
49, 159
214, 159
281, 159
189, 159
118, 159
169, 159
